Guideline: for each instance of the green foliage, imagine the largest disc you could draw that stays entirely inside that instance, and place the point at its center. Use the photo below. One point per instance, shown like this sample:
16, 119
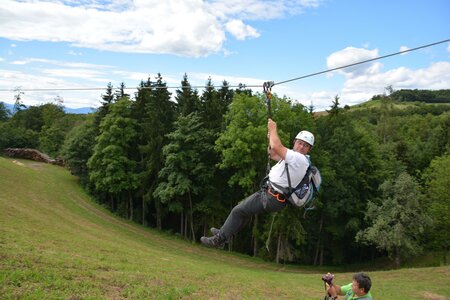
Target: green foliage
243, 145
185, 172
111, 169
4, 112
437, 189
12, 136
187, 99
428, 96
78, 148
196, 169
30, 118
155, 122
287, 235
397, 220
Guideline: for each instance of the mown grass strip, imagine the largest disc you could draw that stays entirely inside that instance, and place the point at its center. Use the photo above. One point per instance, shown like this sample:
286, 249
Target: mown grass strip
56, 243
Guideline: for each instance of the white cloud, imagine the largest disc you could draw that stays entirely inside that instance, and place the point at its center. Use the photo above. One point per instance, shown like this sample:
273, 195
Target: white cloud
15, 79
260, 10
92, 75
403, 48
241, 31
30, 60
74, 53
181, 27
362, 88
351, 55
448, 48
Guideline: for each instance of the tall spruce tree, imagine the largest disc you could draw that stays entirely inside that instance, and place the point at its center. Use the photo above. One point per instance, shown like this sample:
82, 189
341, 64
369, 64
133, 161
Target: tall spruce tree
139, 114
185, 173
187, 98
111, 169
107, 100
158, 121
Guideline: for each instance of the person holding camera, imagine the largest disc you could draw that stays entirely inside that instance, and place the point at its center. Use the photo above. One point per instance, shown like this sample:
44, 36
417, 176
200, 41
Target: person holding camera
358, 289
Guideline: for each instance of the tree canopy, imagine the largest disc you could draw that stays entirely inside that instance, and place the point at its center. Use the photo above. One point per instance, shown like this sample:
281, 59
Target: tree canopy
180, 162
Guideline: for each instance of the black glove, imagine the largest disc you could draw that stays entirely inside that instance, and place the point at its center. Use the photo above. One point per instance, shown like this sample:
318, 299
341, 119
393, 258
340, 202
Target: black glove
328, 278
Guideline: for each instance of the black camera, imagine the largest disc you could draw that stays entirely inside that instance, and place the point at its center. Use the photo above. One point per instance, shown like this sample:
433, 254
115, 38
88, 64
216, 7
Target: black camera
328, 278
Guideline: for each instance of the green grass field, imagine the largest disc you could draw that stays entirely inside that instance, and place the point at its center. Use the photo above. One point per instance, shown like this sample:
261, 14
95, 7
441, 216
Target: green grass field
56, 243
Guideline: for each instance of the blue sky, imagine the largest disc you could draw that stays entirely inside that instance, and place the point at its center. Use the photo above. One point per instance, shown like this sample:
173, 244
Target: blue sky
86, 44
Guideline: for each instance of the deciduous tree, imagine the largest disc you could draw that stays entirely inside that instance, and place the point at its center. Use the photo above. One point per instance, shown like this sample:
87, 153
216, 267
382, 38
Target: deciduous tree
397, 220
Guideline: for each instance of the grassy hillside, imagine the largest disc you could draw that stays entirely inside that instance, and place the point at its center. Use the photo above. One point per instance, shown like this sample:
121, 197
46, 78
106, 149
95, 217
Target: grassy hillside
55, 243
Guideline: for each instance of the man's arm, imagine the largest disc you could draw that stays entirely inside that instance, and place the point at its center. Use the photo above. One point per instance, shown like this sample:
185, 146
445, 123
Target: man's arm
276, 147
334, 290
273, 155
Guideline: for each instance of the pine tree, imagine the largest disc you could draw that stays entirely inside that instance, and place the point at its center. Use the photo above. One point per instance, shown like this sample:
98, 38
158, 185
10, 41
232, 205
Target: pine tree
120, 93
185, 173
4, 112
111, 169
187, 99
157, 122
107, 100
18, 104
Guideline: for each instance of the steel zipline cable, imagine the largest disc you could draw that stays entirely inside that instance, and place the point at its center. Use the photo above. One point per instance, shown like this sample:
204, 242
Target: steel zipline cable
233, 86
362, 62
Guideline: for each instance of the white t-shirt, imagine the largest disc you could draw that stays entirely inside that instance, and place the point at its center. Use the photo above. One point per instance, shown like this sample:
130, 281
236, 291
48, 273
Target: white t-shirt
298, 164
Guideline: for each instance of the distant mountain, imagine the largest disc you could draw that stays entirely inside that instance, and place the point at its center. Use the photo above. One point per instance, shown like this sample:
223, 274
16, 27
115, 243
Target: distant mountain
68, 110
8, 106
82, 110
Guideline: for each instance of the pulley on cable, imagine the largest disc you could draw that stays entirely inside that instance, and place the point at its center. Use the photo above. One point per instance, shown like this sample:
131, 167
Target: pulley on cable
267, 87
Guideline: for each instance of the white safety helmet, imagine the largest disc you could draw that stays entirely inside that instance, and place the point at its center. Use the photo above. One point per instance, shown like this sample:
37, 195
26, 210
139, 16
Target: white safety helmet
306, 136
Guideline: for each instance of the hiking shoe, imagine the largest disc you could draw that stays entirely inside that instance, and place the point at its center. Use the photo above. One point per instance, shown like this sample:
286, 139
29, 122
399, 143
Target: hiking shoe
215, 241
214, 230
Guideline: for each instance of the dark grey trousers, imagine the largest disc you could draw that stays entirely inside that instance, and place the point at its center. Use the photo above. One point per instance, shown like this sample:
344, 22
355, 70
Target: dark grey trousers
256, 203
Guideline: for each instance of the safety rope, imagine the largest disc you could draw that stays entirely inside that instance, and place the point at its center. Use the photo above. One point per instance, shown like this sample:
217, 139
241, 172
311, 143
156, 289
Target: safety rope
267, 88
270, 232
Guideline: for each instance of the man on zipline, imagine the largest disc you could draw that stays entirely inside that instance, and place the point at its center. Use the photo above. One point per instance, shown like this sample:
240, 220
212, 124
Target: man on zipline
269, 198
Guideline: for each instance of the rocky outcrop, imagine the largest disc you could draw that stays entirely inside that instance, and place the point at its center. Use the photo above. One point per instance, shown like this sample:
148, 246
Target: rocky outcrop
32, 154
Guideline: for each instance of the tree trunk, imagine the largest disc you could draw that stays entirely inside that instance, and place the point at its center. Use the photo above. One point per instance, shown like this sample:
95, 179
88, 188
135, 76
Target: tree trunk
186, 226
191, 217
397, 258
181, 223
130, 199
254, 239
158, 214
321, 255
144, 221
445, 255
111, 201
277, 259
316, 256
